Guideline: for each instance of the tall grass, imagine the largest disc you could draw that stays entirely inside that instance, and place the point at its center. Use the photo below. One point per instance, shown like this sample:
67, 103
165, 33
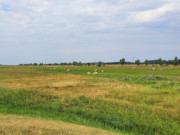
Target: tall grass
88, 111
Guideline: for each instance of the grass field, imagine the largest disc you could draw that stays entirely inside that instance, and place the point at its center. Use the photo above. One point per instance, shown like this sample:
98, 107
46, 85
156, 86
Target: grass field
12, 124
123, 100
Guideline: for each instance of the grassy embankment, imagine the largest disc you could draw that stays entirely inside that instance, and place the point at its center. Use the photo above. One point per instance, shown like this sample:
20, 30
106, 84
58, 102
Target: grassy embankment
140, 101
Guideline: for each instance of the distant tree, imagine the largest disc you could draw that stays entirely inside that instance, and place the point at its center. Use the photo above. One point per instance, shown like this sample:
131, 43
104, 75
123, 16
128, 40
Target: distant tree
88, 64
170, 62
122, 61
93, 64
146, 62
99, 64
160, 61
75, 63
35, 64
175, 61
80, 64
137, 62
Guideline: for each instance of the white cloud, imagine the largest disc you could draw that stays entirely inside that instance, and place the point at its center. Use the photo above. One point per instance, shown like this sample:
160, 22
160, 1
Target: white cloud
43, 7
152, 15
84, 15
84, 1
90, 11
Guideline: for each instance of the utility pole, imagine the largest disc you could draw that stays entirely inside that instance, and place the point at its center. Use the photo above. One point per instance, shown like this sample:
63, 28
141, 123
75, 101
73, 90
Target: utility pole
134, 59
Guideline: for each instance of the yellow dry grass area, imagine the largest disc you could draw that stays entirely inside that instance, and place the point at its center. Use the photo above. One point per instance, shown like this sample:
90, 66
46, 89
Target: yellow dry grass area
59, 84
21, 125
74, 85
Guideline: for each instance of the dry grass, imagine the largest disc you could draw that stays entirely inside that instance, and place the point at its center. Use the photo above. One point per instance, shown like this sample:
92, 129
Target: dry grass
74, 85
20, 125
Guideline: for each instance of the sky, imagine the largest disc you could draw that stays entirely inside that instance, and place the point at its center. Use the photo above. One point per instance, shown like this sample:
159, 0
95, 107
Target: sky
51, 31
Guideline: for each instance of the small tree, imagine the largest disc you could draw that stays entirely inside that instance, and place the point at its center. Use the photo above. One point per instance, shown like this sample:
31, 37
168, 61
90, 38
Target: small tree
88, 64
80, 64
175, 61
75, 63
146, 62
99, 64
137, 62
122, 61
35, 64
160, 61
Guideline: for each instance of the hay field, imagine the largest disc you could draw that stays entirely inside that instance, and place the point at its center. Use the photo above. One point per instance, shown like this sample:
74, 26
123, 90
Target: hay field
125, 100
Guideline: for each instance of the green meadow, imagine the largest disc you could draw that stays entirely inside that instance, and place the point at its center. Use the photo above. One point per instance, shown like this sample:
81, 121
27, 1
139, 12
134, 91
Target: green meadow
123, 100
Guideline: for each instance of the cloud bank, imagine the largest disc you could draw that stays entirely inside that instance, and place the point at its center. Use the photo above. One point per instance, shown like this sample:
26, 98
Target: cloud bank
87, 30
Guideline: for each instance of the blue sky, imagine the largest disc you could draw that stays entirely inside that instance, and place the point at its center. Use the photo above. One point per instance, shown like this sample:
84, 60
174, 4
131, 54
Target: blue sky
88, 30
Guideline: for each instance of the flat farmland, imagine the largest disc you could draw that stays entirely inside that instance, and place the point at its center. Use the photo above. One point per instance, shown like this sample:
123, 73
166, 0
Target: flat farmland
122, 100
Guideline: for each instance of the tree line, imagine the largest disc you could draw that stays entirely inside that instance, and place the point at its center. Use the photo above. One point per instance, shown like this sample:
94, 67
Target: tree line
74, 63
122, 62
159, 61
